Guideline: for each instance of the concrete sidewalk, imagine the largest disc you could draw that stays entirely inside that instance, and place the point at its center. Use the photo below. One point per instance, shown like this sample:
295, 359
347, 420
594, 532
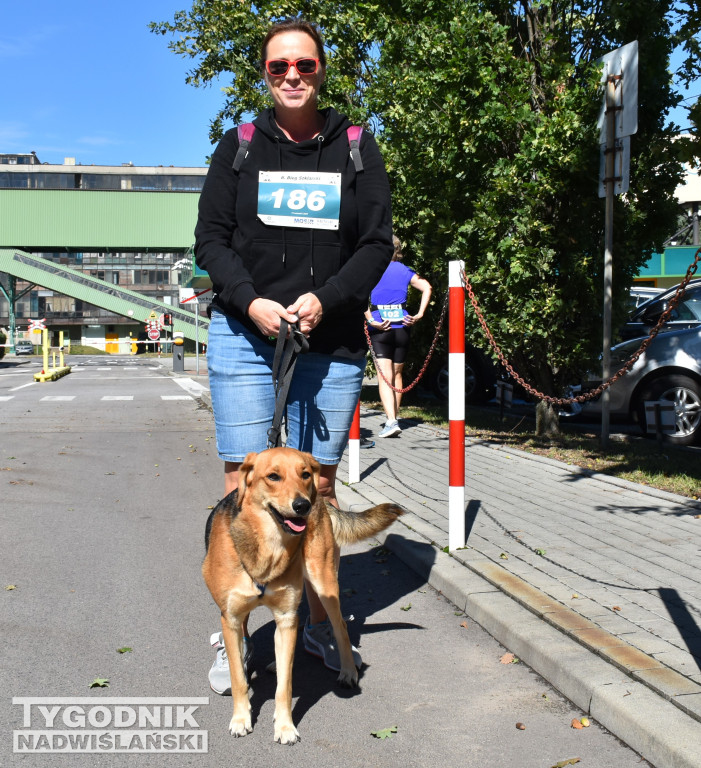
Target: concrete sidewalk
592, 581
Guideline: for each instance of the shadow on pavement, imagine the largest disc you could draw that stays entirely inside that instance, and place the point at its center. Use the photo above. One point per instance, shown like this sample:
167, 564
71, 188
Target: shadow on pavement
370, 581
683, 620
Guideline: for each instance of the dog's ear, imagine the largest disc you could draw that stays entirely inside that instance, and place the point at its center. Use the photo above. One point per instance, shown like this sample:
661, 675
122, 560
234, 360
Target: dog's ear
316, 471
246, 474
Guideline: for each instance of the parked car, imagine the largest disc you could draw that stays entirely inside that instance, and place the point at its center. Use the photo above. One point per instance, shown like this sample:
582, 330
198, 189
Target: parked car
670, 370
24, 348
641, 294
687, 313
480, 376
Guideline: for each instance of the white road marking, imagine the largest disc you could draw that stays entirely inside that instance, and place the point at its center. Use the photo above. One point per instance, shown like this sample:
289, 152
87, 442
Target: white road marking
117, 397
57, 398
22, 386
176, 397
191, 386
5, 398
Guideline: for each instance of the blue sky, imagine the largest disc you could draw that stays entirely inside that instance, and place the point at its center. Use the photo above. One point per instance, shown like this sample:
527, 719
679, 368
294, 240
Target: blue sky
87, 79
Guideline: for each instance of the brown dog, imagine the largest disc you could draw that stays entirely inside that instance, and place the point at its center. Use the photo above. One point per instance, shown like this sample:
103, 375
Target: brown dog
263, 541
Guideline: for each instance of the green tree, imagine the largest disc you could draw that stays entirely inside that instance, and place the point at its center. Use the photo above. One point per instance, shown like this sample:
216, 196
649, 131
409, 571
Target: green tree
486, 113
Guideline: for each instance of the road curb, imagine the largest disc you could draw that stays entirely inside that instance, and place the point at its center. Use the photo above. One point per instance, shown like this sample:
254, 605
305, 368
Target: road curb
646, 721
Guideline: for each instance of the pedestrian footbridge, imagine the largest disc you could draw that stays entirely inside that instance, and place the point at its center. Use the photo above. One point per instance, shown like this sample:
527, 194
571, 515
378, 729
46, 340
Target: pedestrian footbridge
78, 285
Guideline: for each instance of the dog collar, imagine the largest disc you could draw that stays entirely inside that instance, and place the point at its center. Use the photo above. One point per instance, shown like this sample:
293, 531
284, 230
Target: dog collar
260, 588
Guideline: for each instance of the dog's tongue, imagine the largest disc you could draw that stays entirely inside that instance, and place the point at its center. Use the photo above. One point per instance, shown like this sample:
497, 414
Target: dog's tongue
297, 524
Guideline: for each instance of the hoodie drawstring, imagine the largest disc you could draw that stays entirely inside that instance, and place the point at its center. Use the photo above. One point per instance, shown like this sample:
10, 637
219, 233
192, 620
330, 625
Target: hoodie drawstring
319, 142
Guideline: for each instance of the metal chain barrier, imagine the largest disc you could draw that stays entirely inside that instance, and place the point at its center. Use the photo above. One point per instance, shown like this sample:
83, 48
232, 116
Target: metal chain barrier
690, 272
428, 356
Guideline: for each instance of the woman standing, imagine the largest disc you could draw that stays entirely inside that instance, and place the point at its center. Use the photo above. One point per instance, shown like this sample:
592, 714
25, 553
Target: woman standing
295, 232
390, 330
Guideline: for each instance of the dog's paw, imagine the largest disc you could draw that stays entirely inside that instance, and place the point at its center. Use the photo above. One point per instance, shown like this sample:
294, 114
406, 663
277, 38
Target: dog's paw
286, 734
348, 678
240, 726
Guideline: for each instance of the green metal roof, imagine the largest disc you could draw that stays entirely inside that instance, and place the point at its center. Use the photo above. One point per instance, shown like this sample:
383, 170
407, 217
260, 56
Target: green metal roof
82, 220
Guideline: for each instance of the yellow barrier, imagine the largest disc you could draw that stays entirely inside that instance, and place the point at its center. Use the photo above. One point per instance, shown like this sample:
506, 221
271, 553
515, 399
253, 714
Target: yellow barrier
54, 372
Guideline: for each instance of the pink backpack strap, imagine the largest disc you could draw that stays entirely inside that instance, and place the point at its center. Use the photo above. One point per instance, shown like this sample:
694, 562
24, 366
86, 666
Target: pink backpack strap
245, 133
354, 134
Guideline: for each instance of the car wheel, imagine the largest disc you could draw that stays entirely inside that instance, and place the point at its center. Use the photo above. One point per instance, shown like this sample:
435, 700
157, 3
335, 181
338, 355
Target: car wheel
476, 387
685, 393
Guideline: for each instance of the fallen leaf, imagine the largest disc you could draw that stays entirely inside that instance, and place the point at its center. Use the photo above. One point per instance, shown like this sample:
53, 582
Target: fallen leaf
576, 724
385, 733
406, 607
10, 587
504, 556
575, 596
616, 608
124, 650
521, 726
464, 625
540, 552
508, 658
562, 764
585, 722
100, 682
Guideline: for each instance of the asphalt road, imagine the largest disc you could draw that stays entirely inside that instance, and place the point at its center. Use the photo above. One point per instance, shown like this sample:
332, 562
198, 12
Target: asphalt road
107, 477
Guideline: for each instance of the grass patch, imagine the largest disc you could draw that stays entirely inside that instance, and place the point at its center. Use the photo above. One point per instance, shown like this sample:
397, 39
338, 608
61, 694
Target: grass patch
82, 349
639, 460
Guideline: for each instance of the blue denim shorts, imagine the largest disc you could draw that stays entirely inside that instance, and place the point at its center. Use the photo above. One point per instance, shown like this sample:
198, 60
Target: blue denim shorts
323, 395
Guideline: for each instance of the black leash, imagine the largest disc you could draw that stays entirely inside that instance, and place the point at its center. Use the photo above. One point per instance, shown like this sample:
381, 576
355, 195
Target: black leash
286, 350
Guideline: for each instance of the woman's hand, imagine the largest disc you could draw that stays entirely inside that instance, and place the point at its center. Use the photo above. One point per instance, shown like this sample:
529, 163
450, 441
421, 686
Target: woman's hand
411, 319
380, 325
266, 315
309, 311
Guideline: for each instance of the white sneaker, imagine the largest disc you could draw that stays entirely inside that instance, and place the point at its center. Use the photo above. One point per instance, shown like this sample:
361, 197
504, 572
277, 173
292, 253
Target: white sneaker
319, 641
219, 673
390, 429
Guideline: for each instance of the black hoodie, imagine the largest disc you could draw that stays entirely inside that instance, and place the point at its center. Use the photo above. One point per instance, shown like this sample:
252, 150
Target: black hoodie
246, 258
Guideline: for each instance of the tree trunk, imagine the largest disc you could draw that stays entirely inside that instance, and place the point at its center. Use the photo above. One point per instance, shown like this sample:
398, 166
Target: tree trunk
547, 420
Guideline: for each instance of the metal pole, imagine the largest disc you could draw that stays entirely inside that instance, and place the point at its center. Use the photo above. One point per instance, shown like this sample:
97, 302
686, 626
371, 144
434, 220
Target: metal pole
197, 338
608, 252
456, 406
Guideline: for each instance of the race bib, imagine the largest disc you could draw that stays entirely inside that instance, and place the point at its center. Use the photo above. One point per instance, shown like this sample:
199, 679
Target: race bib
301, 199
391, 312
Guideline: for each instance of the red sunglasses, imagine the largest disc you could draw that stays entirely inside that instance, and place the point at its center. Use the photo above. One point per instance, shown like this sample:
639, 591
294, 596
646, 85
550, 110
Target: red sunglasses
280, 67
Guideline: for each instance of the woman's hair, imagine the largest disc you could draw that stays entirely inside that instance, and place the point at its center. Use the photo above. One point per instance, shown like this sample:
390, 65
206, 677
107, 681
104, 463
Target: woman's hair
294, 25
397, 255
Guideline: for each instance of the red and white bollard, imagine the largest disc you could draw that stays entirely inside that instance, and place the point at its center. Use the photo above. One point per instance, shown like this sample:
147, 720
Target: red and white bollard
456, 406
354, 447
